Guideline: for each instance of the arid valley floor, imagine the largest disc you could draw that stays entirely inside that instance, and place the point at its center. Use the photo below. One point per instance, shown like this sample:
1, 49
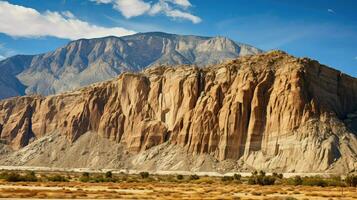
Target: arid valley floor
49, 185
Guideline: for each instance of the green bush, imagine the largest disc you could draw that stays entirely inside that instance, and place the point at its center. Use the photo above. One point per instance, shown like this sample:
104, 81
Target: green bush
351, 180
276, 175
30, 177
13, 177
252, 180
227, 178
268, 180
261, 179
85, 174
16, 177
109, 174
262, 173
179, 177
144, 174
3, 175
314, 181
57, 178
297, 180
194, 177
237, 177
85, 177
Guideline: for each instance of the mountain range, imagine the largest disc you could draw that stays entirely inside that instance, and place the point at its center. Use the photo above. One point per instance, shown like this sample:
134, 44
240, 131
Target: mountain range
86, 61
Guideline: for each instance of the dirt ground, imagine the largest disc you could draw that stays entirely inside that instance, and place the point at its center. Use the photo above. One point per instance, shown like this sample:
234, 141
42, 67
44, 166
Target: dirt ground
168, 190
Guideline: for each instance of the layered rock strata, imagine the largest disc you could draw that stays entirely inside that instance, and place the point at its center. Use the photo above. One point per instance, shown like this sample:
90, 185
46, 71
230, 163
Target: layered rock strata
271, 111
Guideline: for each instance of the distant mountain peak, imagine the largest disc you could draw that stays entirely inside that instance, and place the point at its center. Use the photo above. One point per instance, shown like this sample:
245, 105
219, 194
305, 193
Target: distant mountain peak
85, 61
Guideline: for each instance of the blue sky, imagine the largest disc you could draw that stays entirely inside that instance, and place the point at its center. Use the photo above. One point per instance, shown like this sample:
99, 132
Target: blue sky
325, 30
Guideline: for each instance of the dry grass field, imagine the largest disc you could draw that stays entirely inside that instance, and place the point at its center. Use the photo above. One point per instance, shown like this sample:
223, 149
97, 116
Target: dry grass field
169, 190
164, 187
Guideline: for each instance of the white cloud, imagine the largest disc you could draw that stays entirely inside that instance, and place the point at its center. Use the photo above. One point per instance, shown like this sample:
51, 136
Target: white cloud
102, 1
331, 11
132, 8
184, 3
5, 52
176, 9
163, 7
68, 14
21, 21
183, 15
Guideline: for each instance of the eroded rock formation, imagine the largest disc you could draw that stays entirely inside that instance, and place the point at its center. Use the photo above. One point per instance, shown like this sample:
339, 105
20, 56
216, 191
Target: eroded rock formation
272, 111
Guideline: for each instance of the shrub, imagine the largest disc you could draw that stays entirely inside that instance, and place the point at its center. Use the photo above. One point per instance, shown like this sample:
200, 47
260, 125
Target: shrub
85, 174
30, 177
3, 175
194, 177
237, 177
57, 178
16, 177
109, 174
262, 173
13, 177
98, 179
144, 174
297, 180
85, 177
227, 178
261, 179
268, 180
252, 180
351, 181
276, 175
179, 177
314, 181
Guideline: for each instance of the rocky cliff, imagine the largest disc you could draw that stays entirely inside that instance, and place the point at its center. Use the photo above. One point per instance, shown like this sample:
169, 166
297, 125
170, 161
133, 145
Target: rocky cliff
270, 111
86, 61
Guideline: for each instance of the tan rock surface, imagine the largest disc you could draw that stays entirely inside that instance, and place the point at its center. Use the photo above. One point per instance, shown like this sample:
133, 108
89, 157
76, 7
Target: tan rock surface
272, 111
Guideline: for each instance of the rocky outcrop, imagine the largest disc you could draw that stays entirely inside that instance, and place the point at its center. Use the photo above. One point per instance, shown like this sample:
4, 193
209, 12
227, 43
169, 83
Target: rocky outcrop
272, 111
86, 61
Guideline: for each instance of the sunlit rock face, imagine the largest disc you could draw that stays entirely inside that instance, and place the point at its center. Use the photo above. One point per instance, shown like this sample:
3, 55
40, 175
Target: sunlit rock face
271, 111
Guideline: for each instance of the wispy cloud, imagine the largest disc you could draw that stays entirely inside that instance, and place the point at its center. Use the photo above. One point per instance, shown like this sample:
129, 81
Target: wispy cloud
5, 52
331, 11
356, 58
20, 21
175, 9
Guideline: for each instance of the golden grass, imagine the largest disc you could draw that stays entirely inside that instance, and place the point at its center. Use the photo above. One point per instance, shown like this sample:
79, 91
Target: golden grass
170, 190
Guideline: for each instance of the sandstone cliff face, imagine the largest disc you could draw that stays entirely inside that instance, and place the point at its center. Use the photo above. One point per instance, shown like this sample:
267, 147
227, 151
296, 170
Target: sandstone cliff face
272, 111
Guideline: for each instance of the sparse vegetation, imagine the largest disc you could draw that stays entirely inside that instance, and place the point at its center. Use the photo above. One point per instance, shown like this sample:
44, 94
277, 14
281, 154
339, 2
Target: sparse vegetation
109, 174
57, 178
85, 177
29, 176
237, 177
144, 175
314, 181
351, 180
194, 177
261, 179
179, 177
276, 175
227, 178
297, 180
127, 186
